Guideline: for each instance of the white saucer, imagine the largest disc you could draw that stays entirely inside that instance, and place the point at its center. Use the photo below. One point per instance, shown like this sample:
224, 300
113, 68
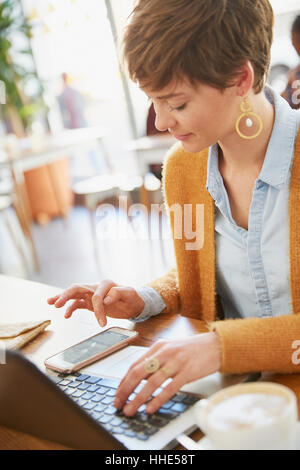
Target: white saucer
205, 443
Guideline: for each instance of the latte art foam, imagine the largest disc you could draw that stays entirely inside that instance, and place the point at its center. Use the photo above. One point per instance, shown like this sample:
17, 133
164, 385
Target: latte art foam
246, 411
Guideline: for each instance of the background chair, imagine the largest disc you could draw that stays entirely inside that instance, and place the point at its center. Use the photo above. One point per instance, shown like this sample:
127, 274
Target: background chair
6, 204
105, 188
12, 185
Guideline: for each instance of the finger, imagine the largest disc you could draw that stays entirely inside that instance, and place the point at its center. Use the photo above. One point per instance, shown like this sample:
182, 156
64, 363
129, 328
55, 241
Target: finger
52, 300
73, 292
113, 295
129, 384
168, 392
120, 293
132, 379
97, 300
77, 304
151, 351
153, 383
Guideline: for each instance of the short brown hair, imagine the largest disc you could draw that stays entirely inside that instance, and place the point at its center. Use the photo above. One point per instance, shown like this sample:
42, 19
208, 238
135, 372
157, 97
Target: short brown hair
206, 41
296, 25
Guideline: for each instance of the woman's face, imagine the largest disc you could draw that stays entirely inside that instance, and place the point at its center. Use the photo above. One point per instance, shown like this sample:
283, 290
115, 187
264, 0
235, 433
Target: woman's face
197, 116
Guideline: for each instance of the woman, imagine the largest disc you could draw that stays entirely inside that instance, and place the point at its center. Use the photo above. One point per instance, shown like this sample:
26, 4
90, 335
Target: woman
204, 64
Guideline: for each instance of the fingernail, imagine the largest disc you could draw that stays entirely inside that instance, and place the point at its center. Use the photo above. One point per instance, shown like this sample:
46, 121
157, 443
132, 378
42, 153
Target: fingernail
149, 409
107, 300
117, 403
128, 409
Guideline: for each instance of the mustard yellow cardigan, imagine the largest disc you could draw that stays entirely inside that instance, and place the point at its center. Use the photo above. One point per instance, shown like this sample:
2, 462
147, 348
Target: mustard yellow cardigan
250, 344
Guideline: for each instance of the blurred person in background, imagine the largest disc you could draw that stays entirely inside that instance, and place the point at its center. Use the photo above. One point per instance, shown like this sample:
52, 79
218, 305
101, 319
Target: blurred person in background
71, 104
292, 91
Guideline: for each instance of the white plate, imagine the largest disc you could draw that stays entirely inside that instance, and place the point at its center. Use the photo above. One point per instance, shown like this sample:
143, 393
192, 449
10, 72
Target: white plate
205, 444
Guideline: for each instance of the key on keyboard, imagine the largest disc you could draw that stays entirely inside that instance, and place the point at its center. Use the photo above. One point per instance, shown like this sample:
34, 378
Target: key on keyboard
96, 396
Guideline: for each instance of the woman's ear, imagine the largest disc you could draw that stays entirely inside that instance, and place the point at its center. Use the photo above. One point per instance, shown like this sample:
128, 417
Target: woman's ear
245, 80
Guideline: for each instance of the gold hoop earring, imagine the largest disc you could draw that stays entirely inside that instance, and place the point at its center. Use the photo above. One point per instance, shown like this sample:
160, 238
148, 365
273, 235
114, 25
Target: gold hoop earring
246, 108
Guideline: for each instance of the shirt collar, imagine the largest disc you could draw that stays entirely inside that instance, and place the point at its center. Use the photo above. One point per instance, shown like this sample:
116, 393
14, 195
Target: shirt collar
280, 150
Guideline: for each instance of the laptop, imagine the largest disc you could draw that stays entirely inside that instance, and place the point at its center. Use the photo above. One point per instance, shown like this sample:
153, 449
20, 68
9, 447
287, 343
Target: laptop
77, 410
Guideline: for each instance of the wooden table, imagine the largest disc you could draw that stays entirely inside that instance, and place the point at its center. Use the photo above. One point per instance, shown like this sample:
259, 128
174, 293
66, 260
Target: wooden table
23, 300
52, 147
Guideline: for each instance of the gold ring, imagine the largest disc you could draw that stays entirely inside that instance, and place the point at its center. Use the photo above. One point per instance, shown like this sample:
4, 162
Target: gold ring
166, 371
151, 365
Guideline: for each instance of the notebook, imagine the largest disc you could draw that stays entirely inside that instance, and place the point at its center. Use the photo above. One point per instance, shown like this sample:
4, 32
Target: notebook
77, 410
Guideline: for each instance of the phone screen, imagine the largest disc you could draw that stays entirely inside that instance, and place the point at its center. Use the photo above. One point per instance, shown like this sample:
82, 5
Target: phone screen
91, 347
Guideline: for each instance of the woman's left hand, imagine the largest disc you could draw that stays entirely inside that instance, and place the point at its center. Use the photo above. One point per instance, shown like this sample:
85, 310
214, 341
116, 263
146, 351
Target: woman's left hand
182, 360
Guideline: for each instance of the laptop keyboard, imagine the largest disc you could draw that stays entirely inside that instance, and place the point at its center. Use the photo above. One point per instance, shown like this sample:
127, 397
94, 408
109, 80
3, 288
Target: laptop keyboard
96, 396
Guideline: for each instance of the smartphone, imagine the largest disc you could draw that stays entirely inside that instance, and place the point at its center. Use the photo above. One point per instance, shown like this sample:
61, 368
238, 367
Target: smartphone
90, 350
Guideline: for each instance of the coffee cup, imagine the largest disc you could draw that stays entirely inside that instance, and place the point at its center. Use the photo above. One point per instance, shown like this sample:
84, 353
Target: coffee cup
251, 416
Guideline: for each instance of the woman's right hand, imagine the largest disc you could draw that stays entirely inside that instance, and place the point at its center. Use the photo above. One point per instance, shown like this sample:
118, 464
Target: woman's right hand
104, 299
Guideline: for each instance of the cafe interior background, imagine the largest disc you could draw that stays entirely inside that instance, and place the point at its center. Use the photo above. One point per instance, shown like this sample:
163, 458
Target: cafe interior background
80, 162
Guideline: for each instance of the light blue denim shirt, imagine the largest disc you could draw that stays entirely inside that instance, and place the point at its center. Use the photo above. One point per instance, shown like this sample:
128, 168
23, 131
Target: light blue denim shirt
252, 267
